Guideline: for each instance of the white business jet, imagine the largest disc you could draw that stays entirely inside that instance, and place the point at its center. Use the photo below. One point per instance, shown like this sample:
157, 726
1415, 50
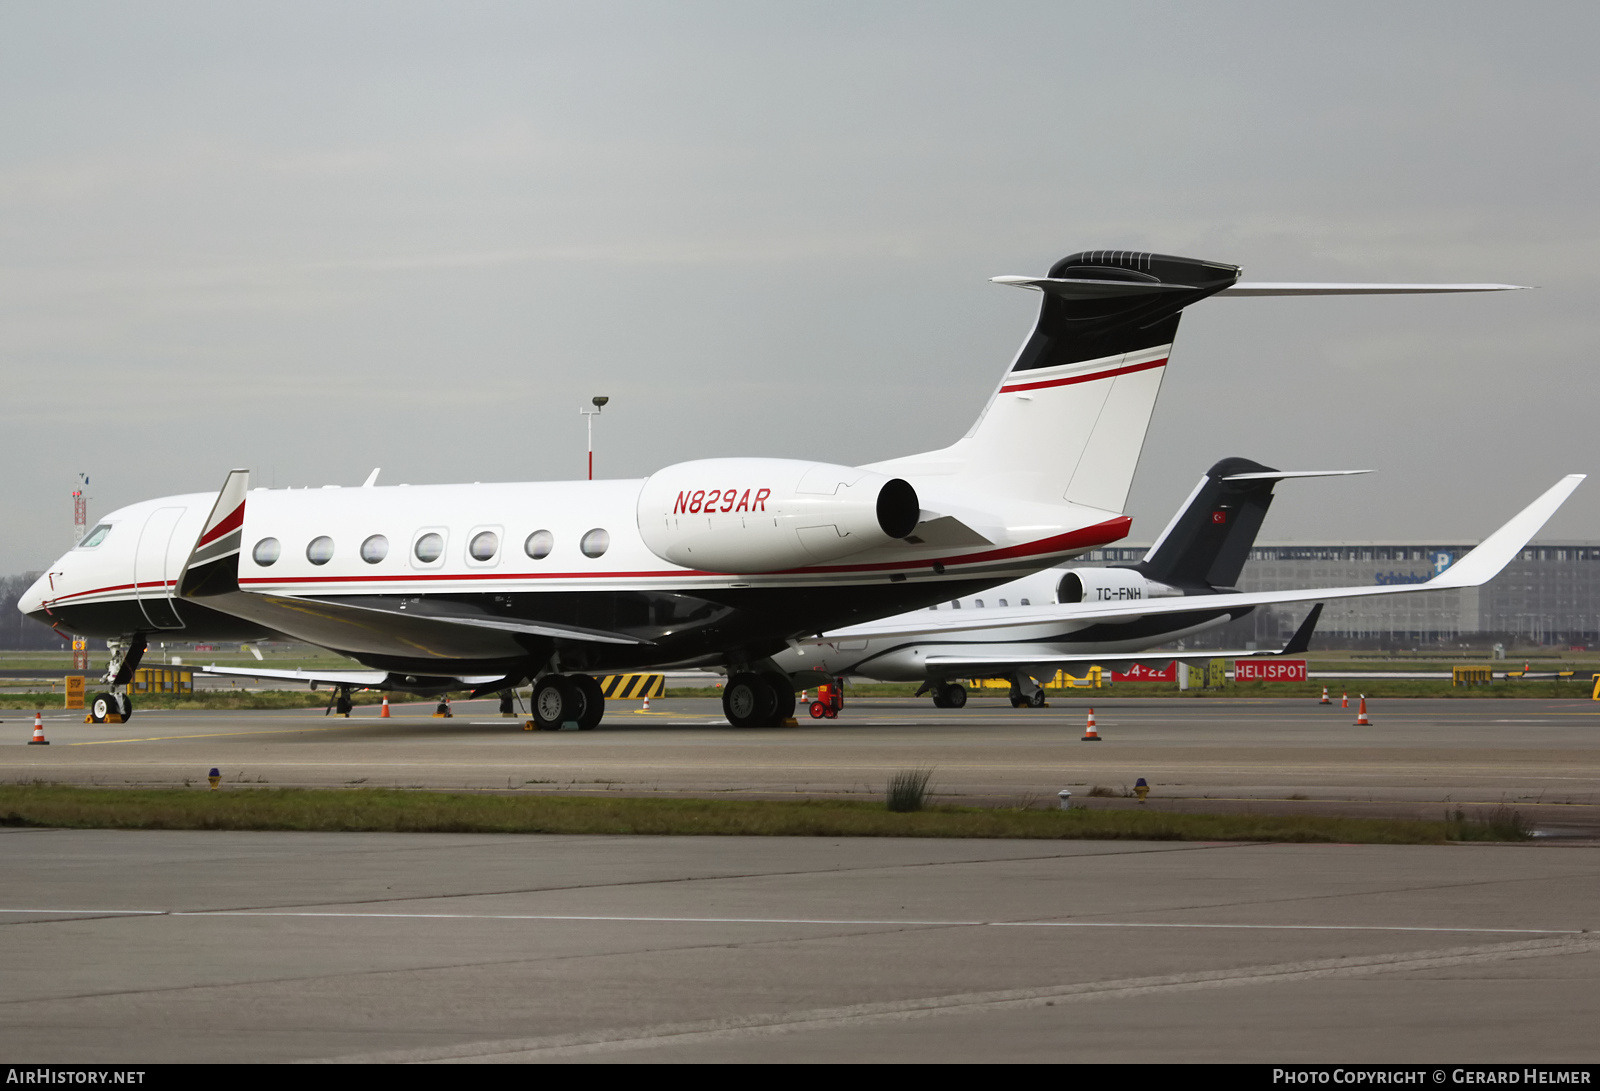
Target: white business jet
710, 563
1073, 617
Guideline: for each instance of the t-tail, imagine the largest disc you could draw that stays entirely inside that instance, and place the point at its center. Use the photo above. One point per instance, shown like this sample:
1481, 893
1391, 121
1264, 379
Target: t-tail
1205, 546
1069, 418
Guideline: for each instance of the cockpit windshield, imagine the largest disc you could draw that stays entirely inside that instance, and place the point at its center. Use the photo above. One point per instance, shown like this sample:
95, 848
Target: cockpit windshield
95, 536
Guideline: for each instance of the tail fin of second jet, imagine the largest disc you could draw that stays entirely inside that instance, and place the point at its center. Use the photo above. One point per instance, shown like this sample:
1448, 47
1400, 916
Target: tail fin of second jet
1208, 541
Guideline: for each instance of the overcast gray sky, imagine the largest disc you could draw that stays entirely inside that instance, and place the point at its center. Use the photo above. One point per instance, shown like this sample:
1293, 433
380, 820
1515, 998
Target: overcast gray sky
311, 239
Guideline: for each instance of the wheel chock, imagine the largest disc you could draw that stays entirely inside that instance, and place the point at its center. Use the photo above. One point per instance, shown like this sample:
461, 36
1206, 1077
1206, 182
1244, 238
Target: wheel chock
529, 725
113, 717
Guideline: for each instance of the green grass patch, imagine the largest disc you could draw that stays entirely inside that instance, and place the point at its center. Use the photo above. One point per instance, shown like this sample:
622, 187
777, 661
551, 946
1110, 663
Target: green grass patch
386, 810
908, 790
1500, 824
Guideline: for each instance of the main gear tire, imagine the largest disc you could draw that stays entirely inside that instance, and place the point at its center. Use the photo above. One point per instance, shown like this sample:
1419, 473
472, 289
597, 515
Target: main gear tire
594, 701
555, 702
748, 700
955, 696
783, 692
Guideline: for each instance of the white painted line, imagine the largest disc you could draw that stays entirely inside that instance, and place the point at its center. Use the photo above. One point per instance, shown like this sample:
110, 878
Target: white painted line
852, 1017
97, 912
820, 921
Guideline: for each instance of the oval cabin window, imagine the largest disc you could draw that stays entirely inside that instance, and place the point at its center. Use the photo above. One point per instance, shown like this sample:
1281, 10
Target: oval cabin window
320, 551
595, 543
539, 544
375, 549
266, 551
429, 548
484, 546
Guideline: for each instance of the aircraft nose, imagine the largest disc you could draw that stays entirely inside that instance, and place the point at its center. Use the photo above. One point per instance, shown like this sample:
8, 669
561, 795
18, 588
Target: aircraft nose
33, 599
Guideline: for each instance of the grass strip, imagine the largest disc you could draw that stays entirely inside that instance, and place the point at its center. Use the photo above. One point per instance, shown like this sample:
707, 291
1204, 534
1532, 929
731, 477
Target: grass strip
388, 810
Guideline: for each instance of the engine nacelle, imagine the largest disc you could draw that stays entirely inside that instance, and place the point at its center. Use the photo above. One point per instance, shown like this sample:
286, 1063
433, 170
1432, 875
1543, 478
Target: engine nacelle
770, 514
1110, 585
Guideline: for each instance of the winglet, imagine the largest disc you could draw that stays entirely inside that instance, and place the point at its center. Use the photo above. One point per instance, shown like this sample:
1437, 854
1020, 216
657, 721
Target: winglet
1496, 551
213, 564
1301, 640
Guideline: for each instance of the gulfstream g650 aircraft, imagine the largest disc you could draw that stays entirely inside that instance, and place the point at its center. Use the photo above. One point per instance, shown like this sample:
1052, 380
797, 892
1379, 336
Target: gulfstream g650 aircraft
718, 562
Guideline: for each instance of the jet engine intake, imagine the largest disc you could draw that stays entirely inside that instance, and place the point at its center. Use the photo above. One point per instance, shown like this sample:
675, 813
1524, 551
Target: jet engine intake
1110, 585
770, 514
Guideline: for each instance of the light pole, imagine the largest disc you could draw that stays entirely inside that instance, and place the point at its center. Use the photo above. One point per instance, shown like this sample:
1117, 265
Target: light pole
599, 404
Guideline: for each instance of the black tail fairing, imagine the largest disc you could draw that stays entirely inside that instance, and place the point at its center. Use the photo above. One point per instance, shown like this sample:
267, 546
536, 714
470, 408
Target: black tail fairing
1207, 544
1101, 303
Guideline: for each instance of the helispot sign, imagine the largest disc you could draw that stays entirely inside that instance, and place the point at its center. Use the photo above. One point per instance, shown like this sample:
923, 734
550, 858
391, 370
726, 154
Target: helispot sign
1269, 670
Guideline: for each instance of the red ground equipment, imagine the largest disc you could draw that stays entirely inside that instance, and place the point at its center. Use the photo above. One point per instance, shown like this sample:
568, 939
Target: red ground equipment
830, 699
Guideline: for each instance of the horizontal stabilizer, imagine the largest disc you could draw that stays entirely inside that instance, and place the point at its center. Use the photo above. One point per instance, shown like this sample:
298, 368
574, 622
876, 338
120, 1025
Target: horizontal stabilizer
1077, 288
1285, 475
1245, 287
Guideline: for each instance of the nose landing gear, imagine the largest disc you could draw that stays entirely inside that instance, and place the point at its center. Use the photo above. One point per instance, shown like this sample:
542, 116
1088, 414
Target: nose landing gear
111, 708
123, 661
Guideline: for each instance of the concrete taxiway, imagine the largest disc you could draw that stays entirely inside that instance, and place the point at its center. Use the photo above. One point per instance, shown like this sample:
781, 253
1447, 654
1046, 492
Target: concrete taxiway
1543, 756
129, 947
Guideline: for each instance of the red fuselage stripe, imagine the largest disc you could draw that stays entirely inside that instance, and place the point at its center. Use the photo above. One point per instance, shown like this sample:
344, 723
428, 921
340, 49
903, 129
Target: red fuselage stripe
1009, 388
1099, 534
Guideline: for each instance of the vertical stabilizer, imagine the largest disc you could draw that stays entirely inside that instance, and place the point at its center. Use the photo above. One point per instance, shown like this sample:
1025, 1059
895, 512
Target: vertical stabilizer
1205, 546
1069, 419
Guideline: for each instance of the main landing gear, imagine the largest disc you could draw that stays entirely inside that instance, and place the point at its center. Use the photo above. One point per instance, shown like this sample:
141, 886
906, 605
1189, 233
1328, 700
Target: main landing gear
949, 695
561, 699
758, 700
339, 702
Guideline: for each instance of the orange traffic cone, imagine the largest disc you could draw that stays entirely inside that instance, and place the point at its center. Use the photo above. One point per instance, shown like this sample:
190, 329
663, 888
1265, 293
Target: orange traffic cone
1324, 700
38, 732
384, 715
1344, 700
1089, 733
647, 702
1361, 717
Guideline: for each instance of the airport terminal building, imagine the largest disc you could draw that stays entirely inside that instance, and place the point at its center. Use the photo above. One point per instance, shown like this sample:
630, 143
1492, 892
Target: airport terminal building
1548, 596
